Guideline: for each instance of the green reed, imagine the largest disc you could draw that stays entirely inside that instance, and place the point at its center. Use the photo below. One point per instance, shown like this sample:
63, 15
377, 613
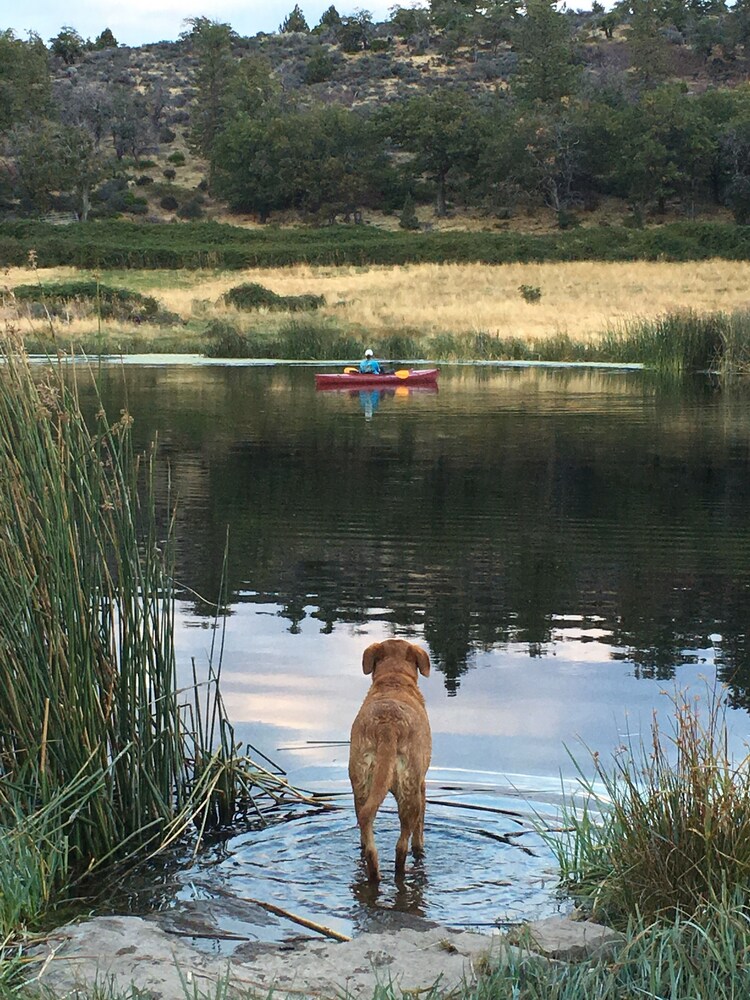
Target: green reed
101, 756
665, 827
675, 343
735, 356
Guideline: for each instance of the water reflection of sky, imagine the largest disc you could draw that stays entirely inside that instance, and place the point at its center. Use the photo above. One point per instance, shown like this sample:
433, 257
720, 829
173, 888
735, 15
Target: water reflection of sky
502, 744
514, 720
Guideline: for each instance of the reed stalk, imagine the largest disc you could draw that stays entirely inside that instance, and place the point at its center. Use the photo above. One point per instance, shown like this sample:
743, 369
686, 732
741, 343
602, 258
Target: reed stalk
101, 756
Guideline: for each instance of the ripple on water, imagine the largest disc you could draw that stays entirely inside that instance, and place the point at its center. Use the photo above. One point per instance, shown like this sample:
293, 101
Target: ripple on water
482, 869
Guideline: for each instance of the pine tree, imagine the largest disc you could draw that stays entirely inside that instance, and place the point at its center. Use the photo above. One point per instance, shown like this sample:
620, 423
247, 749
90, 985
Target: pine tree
546, 70
294, 21
409, 218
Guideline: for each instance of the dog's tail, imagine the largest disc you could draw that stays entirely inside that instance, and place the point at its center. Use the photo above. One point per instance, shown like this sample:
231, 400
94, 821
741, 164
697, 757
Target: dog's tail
385, 764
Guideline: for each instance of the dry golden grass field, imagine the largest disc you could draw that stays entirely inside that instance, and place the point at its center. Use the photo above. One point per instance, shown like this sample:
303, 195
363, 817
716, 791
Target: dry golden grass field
580, 299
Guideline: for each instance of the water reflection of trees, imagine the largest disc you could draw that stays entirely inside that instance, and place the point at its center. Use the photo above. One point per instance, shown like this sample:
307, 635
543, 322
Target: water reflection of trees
483, 531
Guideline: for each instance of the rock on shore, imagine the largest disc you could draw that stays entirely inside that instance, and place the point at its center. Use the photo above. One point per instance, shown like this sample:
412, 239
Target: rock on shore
127, 951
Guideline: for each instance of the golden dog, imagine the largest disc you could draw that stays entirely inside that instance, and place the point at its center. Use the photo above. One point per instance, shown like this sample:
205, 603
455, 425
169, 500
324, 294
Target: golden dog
391, 746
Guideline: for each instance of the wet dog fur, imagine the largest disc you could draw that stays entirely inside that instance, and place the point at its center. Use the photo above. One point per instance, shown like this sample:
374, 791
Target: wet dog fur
391, 746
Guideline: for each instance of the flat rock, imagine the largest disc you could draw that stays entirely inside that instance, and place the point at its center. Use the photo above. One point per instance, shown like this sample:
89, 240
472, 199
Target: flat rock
133, 951
571, 940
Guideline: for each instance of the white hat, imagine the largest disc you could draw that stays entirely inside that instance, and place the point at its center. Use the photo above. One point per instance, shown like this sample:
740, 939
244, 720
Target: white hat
368, 353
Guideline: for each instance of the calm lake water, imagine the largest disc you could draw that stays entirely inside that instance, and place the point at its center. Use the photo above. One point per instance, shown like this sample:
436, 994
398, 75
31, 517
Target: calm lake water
567, 544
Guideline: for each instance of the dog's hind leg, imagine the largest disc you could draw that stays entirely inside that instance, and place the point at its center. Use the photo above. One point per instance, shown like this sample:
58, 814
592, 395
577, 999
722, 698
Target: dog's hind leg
417, 840
365, 820
409, 816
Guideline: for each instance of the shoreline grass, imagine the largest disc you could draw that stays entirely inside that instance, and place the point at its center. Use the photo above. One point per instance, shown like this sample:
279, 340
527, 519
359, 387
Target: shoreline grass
103, 758
671, 317
664, 829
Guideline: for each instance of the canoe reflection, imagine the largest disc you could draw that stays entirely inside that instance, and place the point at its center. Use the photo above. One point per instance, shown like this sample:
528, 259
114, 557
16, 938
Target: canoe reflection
370, 399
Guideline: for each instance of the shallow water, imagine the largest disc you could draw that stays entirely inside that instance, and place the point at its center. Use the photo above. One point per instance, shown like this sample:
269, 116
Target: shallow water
567, 544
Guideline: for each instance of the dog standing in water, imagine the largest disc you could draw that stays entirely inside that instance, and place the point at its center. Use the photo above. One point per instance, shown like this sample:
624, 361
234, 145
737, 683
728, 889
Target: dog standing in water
391, 746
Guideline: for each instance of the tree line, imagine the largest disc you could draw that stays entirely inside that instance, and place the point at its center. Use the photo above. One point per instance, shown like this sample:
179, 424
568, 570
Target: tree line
554, 131
554, 136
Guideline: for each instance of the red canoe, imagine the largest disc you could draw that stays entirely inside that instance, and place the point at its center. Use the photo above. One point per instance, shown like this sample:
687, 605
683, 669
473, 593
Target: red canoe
351, 380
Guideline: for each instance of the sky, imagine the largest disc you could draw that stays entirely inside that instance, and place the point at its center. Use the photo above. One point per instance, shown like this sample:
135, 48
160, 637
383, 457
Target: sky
138, 22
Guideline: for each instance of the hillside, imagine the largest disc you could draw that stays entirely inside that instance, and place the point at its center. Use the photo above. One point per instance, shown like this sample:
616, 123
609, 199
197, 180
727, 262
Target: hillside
531, 121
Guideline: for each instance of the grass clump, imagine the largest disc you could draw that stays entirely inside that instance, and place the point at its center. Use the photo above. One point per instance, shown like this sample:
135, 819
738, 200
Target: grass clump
670, 833
224, 340
674, 343
306, 339
254, 296
101, 755
687, 957
297, 340
735, 355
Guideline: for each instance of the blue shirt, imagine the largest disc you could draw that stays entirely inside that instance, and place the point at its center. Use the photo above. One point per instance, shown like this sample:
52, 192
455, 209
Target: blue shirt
369, 366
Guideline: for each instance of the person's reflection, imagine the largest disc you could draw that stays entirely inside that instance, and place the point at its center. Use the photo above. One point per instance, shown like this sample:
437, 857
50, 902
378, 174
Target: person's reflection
369, 400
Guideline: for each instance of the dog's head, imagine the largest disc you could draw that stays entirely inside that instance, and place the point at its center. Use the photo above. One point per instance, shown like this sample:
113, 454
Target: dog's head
396, 650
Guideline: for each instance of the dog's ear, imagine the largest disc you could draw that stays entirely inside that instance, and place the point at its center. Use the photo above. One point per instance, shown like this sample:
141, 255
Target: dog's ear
422, 660
371, 656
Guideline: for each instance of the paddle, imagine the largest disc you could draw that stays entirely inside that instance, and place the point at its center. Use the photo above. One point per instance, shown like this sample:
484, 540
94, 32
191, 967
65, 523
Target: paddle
401, 373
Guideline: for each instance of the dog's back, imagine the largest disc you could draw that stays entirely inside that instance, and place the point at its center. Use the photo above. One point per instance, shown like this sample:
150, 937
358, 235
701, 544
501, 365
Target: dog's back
391, 746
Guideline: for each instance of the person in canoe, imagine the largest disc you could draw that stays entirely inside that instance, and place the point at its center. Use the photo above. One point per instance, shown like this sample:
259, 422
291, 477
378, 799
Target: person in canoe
369, 365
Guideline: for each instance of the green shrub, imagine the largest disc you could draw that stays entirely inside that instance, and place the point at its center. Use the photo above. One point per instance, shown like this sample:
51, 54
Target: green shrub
131, 203
116, 244
408, 218
108, 302
169, 203
254, 296
567, 219
319, 66
177, 158
170, 173
192, 209
530, 293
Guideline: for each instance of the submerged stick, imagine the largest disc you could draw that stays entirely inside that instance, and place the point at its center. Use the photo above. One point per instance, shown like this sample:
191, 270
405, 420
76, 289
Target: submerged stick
303, 921
468, 805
